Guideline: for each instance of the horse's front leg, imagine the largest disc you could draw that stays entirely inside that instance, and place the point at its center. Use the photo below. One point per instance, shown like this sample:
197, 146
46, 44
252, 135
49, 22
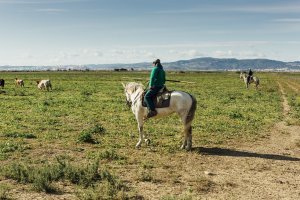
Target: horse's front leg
140, 121
141, 136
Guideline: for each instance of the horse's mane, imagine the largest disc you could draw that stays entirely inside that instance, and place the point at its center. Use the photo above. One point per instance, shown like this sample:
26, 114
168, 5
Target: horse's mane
131, 87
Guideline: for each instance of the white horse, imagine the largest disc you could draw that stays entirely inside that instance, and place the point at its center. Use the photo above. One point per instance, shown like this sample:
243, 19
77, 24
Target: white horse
182, 103
254, 80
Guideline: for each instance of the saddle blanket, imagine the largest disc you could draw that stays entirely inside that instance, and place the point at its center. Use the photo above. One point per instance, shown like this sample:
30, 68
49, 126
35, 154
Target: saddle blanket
162, 99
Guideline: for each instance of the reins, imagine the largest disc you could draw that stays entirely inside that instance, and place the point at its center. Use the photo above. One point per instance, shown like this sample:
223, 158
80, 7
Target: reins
130, 103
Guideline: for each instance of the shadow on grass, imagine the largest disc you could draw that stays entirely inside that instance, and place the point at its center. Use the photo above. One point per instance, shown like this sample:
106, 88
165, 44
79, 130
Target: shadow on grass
238, 153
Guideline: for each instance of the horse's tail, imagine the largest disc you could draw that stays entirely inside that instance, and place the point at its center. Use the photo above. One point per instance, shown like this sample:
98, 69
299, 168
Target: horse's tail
191, 114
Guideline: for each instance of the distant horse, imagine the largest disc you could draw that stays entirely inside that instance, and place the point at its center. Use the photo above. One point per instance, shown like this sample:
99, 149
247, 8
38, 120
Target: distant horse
247, 82
181, 103
44, 84
2, 82
19, 82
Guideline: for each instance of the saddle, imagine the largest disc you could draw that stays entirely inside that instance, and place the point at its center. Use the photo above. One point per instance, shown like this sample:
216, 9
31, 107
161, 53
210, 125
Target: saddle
162, 99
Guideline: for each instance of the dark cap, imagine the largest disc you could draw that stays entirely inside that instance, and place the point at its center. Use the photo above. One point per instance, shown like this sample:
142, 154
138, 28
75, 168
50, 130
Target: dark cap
156, 61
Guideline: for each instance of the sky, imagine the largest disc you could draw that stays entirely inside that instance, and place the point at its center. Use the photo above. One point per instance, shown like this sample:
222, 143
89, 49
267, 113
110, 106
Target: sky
79, 32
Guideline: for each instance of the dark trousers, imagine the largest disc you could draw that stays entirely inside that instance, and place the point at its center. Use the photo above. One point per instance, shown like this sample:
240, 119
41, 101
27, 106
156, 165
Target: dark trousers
249, 77
149, 97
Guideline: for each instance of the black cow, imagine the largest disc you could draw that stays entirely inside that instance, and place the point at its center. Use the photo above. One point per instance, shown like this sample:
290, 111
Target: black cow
2, 83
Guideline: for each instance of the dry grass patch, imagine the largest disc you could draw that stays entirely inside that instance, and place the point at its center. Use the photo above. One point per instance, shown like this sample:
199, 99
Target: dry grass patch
204, 185
4, 190
297, 143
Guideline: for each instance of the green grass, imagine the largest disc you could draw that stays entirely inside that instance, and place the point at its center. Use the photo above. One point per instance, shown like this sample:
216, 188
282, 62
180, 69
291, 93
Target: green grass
85, 116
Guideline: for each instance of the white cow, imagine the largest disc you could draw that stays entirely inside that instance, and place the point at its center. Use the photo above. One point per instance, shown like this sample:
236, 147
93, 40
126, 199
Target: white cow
44, 84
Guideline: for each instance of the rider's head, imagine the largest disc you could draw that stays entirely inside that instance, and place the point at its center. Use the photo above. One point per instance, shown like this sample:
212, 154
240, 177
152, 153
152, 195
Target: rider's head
156, 61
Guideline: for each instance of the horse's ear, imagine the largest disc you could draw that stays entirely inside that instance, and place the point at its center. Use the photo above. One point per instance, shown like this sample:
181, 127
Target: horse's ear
124, 86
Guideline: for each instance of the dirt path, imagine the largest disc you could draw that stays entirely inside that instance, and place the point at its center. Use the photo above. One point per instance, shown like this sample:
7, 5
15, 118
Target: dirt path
285, 104
293, 86
267, 169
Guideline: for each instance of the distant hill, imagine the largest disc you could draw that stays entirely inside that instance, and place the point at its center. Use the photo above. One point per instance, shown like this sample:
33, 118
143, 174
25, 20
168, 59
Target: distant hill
222, 64
197, 64
232, 64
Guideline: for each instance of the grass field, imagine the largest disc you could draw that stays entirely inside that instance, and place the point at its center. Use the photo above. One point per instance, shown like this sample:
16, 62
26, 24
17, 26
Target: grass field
78, 140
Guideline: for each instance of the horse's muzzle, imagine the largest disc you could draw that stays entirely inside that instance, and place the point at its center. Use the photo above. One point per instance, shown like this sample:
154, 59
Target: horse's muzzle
128, 103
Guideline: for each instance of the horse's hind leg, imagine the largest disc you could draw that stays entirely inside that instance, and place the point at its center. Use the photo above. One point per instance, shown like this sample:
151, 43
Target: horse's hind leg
187, 141
256, 85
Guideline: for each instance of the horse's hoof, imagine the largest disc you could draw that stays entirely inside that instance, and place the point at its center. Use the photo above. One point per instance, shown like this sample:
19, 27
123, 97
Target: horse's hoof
138, 145
188, 148
147, 141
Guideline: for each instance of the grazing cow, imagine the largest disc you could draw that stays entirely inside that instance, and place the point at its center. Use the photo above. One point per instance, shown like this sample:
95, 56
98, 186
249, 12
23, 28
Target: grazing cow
19, 82
44, 84
2, 83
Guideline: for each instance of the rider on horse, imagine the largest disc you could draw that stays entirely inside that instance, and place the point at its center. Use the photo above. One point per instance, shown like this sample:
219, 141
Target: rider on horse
157, 82
250, 75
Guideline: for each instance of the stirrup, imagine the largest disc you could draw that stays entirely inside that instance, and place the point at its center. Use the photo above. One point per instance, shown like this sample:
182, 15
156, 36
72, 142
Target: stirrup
150, 114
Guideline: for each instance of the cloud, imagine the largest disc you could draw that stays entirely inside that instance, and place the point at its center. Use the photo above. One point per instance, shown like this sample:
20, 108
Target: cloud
285, 7
26, 56
132, 53
65, 55
219, 53
190, 53
275, 8
51, 10
251, 54
39, 1
92, 53
98, 54
240, 54
196, 45
288, 20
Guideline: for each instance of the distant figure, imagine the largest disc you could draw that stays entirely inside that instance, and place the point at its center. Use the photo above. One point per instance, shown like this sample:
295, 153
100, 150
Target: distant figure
19, 82
244, 76
2, 83
44, 84
250, 76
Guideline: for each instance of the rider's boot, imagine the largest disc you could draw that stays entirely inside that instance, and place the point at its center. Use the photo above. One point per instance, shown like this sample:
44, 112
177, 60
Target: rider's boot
151, 113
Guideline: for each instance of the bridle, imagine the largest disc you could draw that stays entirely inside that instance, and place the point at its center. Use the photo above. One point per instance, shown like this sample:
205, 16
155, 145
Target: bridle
129, 102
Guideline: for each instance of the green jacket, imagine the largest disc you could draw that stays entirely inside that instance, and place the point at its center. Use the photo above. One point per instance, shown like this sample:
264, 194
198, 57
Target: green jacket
158, 76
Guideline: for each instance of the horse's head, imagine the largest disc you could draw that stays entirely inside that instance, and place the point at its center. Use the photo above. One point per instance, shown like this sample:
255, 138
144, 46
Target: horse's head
242, 75
130, 89
128, 103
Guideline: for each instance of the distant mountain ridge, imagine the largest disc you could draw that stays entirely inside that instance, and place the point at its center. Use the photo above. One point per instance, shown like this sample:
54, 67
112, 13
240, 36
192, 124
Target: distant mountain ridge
209, 63
196, 64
